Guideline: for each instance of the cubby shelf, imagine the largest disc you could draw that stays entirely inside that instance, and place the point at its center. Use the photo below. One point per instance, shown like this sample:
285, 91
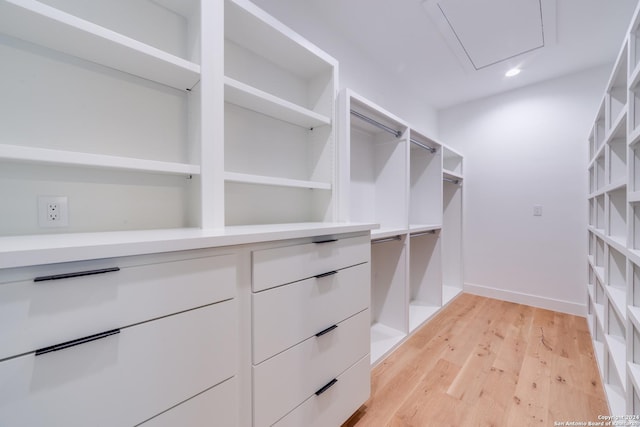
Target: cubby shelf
61, 157
614, 228
44, 25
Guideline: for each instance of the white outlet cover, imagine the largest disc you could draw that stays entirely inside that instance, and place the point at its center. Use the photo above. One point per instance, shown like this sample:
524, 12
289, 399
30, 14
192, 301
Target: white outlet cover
63, 211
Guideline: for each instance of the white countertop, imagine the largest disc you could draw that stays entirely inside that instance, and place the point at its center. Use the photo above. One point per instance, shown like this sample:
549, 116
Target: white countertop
20, 251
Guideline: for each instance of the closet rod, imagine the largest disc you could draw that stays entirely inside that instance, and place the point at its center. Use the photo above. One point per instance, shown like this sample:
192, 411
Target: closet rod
385, 128
388, 239
420, 144
454, 181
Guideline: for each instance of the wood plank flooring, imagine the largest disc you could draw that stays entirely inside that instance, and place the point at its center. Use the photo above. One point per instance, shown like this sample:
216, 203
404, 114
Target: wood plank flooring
484, 362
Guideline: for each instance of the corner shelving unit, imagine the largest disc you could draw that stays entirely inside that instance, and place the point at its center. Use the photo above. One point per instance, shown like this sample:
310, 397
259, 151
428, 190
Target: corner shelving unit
118, 107
281, 168
613, 290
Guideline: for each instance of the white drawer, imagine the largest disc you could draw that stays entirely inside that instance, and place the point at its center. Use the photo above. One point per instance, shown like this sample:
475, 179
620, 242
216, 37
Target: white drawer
39, 314
336, 404
288, 379
123, 379
215, 407
287, 315
277, 266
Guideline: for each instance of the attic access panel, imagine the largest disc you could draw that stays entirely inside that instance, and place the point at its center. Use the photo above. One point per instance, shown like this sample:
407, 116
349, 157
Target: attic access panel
486, 32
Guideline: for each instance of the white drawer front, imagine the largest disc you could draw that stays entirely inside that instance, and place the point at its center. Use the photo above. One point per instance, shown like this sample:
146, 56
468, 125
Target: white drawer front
39, 314
123, 379
274, 267
215, 407
288, 379
337, 404
287, 315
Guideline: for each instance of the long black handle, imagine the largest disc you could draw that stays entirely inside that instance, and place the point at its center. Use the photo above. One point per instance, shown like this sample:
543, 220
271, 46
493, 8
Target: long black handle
326, 387
326, 241
79, 341
326, 331
76, 274
330, 273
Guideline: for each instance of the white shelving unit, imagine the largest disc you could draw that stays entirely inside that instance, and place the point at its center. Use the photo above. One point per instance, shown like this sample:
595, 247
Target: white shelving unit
279, 148
613, 299
394, 177
118, 98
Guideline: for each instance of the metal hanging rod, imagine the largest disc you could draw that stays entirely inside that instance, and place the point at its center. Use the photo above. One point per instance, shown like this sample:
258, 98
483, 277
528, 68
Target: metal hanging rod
420, 144
388, 239
384, 127
454, 181
423, 233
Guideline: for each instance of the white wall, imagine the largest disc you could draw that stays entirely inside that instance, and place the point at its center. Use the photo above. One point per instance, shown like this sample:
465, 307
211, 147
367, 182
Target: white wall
521, 148
357, 71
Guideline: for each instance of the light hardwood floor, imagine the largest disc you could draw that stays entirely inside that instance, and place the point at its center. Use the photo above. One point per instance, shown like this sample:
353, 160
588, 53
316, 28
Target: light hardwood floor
484, 362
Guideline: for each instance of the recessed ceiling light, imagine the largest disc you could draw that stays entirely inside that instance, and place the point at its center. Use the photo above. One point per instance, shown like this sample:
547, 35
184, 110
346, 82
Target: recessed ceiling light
512, 72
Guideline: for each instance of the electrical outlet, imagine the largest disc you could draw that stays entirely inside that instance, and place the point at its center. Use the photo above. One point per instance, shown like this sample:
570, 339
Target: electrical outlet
537, 210
53, 211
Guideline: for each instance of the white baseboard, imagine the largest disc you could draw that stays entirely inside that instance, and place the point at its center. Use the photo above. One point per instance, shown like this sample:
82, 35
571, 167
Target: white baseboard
527, 299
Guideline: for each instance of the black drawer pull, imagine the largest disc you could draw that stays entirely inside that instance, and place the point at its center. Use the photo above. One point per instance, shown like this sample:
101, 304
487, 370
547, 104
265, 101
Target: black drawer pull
76, 274
330, 273
326, 331
79, 341
326, 387
326, 241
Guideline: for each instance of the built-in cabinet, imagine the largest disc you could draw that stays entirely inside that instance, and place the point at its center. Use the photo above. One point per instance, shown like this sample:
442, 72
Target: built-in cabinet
411, 185
613, 289
213, 199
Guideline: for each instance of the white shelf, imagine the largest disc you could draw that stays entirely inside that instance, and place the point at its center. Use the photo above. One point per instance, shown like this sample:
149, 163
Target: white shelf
449, 293
599, 308
634, 374
598, 348
274, 181
616, 400
451, 175
617, 353
383, 340
420, 228
619, 299
419, 313
262, 102
384, 233
46, 26
61, 157
634, 315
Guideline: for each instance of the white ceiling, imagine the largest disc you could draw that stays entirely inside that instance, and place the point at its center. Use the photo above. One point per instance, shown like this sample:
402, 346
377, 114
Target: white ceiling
404, 37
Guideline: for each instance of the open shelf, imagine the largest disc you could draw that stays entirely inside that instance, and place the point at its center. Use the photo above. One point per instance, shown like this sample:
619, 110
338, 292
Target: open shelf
275, 181
39, 23
452, 162
599, 212
452, 277
618, 214
425, 203
618, 153
262, 102
600, 172
115, 92
388, 295
61, 157
279, 144
425, 278
378, 170
617, 91
383, 340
